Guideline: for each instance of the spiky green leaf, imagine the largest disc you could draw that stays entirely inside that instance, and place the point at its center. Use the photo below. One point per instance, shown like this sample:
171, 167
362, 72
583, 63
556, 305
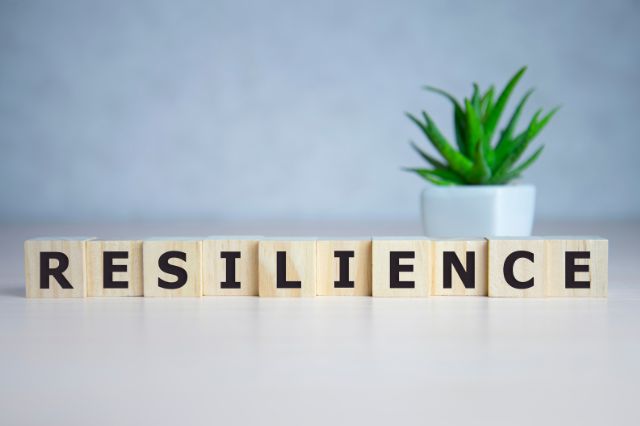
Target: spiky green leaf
494, 116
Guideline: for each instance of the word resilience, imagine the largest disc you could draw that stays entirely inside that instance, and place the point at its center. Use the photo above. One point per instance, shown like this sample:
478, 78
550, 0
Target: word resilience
292, 267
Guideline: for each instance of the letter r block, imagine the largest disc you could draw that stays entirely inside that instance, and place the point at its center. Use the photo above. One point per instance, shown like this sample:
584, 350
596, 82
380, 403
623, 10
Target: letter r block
230, 266
401, 267
516, 267
576, 266
459, 267
287, 267
114, 268
55, 267
172, 267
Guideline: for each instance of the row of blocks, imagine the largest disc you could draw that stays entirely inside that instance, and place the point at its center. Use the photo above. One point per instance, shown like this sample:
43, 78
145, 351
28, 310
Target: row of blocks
251, 266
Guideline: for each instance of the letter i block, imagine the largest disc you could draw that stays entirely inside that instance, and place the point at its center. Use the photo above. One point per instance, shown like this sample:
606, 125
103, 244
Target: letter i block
459, 267
114, 268
516, 267
172, 267
287, 267
230, 266
576, 267
55, 267
401, 267
344, 267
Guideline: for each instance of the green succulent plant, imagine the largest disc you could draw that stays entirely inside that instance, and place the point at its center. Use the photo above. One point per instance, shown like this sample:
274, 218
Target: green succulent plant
477, 160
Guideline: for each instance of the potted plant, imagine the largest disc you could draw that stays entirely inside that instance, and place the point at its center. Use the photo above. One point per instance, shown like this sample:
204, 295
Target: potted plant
473, 191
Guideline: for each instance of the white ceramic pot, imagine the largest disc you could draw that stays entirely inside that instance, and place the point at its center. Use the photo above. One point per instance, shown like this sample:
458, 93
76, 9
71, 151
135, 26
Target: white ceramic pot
478, 211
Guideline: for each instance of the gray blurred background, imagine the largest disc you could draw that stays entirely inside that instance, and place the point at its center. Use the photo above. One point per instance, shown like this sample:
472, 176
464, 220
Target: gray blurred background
165, 110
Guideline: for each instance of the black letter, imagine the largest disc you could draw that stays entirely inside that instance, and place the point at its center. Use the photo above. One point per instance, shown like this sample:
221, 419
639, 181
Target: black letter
508, 269
449, 260
108, 268
570, 269
343, 279
395, 268
230, 280
281, 267
165, 266
56, 273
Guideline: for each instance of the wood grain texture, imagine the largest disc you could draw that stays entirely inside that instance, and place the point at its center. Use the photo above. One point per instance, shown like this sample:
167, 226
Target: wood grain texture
556, 265
329, 267
95, 268
75, 273
459, 248
151, 252
214, 266
523, 269
381, 266
300, 266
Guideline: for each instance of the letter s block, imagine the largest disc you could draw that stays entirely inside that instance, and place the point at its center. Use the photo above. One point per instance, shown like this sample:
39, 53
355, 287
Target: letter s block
172, 267
459, 267
287, 267
516, 267
55, 267
401, 267
577, 267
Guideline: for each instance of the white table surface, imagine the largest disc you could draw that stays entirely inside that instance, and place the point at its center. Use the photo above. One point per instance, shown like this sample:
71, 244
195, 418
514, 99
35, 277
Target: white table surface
319, 361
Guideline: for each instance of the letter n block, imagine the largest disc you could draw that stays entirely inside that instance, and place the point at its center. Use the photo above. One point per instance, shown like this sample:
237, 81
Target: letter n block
577, 267
172, 267
516, 267
114, 268
344, 267
401, 267
287, 267
55, 267
459, 267
230, 266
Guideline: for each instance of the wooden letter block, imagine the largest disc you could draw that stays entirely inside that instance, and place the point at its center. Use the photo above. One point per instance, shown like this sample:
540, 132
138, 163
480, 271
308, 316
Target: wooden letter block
576, 266
172, 267
230, 266
287, 267
55, 267
114, 268
344, 267
401, 266
459, 267
516, 267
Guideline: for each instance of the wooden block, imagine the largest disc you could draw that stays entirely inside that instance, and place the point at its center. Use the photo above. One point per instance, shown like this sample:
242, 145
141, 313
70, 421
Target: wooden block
459, 267
55, 267
401, 267
287, 267
230, 266
114, 268
172, 267
576, 266
344, 267
516, 267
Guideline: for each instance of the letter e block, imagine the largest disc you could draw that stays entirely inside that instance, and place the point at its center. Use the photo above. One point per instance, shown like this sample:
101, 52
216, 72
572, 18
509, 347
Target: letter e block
401, 267
55, 267
459, 267
114, 268
577, 266
344, 267
172, 267
230, 266
287, 267
516, 267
